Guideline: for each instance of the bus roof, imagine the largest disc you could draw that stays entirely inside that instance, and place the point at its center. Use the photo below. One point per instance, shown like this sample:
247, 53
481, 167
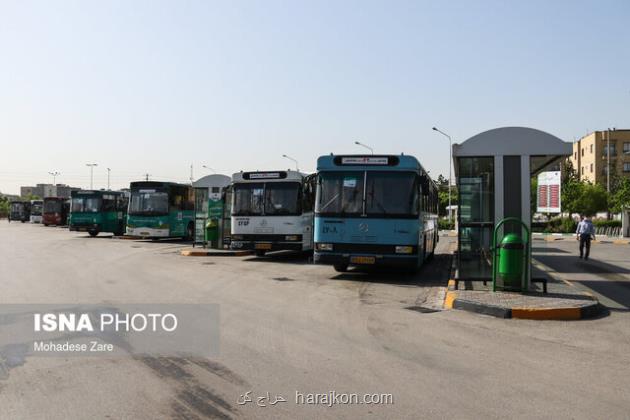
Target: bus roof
155, 184
268, 176
370, 163
97, 193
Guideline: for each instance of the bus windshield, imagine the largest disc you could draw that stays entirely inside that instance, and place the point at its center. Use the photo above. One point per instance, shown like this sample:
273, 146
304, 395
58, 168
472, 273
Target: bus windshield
52, 206
36, 209
148, 204
86, 205
340, 193
17, 207
248, 199
282, 198
391, 193
386, 193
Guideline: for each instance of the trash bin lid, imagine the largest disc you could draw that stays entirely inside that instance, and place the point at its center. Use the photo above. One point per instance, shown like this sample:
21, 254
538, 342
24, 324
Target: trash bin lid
512, 241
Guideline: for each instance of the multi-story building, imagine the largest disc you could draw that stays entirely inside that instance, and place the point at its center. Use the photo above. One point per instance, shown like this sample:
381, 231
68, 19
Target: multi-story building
48, 190
590, 155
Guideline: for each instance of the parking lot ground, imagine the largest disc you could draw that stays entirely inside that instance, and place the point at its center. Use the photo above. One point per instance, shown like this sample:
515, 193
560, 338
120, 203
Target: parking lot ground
606, 275
289, 326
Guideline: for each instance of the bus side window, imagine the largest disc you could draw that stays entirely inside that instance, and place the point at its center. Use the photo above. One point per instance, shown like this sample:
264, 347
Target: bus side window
109, 204
189, 203
175, 198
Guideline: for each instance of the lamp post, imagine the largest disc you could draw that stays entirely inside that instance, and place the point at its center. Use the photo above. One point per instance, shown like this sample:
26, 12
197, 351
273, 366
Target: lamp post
208, 168
608, 160
91, 165
358, 143
450, 162
54, 175
108, 172
297, 168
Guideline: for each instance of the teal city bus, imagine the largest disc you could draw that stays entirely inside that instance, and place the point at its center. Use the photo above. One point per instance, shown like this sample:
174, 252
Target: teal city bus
98, 211
374, 210
161, 210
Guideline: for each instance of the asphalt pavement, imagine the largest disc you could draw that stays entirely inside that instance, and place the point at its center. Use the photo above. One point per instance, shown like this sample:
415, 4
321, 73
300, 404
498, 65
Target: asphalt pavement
289, 327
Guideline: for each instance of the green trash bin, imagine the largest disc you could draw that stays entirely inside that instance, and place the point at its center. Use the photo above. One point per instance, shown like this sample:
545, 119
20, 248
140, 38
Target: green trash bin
511, 261
212, 233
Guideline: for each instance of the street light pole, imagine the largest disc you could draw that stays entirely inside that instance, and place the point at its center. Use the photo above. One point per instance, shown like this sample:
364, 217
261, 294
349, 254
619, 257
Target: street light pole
608, 160
54, 175
91, 165
208, 168
297, 168
108, 172
450, 163
358, 143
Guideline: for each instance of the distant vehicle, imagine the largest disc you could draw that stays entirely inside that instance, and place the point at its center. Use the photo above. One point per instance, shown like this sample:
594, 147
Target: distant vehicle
374, 210
272, 211
19, 211
98, 211
37, 207
56, 211
161, 210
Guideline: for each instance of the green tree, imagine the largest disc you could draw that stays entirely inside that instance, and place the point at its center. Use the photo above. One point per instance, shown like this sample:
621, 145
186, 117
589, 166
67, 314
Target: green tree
593, 198
4, 206
620, 198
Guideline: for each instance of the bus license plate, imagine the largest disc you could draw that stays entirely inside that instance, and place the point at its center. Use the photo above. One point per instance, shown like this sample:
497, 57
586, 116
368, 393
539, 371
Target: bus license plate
263, 246
362, 260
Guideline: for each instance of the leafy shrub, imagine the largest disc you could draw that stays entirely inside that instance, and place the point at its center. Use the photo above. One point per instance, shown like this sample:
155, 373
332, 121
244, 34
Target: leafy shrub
445, 224
601, 223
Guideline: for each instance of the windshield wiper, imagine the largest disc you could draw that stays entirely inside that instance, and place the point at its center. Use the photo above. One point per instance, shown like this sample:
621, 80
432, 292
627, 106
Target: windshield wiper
330, 202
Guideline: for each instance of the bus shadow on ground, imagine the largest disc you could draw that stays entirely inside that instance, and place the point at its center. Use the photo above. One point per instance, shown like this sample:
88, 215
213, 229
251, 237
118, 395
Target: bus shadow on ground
284, 257
435, 272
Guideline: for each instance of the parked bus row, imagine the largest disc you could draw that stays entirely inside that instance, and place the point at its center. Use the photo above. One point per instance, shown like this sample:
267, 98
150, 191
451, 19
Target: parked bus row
355, 211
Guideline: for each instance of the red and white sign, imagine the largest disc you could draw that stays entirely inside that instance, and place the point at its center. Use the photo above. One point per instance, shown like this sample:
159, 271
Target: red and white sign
549, 192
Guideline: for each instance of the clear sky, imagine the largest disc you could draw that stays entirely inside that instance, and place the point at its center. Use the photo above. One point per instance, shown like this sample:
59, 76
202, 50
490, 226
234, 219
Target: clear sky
153, 86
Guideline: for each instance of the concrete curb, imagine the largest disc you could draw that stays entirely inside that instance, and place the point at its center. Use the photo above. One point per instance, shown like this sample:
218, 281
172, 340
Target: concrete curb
451, 295
558, 314
213, 253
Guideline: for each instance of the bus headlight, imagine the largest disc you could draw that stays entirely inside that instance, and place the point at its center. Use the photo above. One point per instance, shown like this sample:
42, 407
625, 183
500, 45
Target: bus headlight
291, 238
404, 249
324, 247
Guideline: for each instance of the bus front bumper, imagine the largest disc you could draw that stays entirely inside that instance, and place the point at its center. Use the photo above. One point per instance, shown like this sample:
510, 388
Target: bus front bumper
365, 260
266, 245
84, 227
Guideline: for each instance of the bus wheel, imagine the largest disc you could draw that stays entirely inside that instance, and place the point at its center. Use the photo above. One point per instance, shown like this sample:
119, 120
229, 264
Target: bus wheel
341, 268
93, 233
260, 253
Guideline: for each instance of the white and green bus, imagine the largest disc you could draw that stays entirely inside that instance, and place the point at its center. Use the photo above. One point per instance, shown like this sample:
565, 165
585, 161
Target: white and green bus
161, 210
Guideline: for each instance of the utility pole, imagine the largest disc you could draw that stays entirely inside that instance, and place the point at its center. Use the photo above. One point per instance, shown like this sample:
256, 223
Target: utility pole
146, 176
108, 172
91, 166
191, 174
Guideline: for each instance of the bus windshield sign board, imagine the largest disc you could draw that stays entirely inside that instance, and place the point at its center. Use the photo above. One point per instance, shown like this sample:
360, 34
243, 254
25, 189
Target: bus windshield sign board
264, 175
365, 160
